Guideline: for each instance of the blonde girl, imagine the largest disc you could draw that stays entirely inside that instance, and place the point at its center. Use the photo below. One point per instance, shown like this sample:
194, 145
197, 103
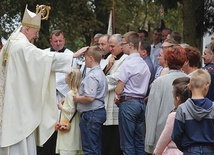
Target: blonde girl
69, 143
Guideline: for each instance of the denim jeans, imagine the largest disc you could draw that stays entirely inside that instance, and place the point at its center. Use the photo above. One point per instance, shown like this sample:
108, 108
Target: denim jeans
91, 123
131, 126
199, 150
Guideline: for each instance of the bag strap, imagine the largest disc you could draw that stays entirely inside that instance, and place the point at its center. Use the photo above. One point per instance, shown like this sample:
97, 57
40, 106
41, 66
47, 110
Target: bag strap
73, 116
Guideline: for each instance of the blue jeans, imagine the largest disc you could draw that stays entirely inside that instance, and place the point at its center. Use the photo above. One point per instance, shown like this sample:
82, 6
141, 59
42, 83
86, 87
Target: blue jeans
131, 126
91, 123
199, 150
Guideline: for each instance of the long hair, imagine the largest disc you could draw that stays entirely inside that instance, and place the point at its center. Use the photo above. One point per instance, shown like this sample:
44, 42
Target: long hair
75, 79
181, 90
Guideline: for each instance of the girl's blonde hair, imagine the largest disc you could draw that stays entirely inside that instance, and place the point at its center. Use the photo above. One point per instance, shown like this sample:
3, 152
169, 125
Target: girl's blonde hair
75, 79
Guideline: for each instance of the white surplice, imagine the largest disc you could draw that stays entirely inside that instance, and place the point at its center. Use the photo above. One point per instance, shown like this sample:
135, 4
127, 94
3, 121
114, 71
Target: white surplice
27, 91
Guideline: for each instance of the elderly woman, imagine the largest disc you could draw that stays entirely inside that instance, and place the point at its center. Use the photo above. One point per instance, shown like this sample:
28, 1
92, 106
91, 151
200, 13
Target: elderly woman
163, 68
160, 101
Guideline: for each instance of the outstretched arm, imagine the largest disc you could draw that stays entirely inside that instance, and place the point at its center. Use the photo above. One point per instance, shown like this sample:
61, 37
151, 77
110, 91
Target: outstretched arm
80, 52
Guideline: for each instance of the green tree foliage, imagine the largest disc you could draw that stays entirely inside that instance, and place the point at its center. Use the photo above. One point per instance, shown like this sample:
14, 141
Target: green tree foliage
198, 18
77, 18
81, 19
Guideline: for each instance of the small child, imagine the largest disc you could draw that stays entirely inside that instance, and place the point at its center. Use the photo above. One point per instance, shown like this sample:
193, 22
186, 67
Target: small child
69, 143
165, 145
90, 102
193, 131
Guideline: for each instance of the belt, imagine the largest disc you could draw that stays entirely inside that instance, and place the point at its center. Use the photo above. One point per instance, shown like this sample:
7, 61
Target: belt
93, 110
210, 147
125, 98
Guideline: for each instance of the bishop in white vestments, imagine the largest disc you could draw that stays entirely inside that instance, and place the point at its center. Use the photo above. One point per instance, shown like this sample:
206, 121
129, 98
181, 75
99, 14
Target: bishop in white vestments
28, 110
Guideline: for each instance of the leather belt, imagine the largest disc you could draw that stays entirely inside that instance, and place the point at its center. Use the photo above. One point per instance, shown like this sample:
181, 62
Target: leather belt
125, 98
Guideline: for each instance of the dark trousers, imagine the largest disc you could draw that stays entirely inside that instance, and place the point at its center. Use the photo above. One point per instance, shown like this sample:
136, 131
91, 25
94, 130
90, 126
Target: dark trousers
49, 147
111, 140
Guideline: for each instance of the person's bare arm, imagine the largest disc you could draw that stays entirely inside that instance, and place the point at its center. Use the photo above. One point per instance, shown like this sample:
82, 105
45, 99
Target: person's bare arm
80, 52
83, 99
118, 91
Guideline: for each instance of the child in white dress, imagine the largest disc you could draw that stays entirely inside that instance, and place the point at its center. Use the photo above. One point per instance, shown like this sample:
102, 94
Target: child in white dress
69, 143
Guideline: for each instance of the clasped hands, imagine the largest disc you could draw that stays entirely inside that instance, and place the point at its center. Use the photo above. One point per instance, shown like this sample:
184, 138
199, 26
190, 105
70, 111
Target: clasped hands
111, 60
110, 63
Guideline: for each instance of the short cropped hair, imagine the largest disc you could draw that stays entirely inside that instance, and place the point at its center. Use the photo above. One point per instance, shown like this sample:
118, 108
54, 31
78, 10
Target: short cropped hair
170, 30
95, 52
117, 36
199, 78
193, 56
56, 33
145, 45
210, 48
175, 57
98, 35
146, 33
132, 37
105, 35
157, 29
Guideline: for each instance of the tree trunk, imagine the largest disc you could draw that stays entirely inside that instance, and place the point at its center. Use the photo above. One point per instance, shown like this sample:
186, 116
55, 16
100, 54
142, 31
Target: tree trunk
189, 24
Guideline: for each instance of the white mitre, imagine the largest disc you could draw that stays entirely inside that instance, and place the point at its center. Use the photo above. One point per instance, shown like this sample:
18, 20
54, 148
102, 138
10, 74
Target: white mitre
31, 19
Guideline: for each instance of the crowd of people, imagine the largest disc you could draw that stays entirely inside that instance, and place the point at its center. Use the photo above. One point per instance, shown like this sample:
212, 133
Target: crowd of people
128, 97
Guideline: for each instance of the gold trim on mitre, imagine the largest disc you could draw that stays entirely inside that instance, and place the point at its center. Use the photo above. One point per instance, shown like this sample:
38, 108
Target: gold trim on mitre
31, 19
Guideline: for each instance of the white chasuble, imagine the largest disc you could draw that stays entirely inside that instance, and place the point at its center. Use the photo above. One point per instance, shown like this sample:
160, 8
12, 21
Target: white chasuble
27, 91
